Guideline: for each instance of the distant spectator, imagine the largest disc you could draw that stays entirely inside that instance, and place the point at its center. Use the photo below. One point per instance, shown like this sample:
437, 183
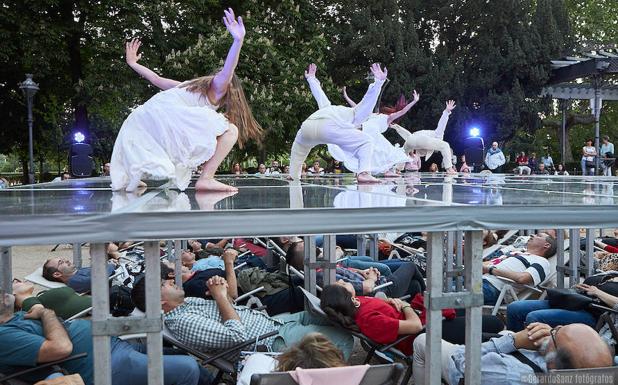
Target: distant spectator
274, 168
522, 164
560, 170
434, 168
607, 151
533, 162
3, 183
547, 161
588, 155
106, 168
464, 166
414, 162
494, 159
315, 169
261, 170
237, 169
286, 169
303, 170
542, 170
337, 167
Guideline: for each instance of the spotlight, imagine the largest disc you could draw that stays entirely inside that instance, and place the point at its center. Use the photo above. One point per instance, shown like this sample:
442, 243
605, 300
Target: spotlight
79, 137
475, 132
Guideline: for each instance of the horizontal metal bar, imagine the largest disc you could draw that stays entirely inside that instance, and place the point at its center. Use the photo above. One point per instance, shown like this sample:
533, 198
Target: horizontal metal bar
126, 325
457, 300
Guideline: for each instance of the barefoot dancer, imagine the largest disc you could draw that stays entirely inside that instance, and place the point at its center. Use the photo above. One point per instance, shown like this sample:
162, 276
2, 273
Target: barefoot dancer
179, 129
425, 142
385, 155
338, 125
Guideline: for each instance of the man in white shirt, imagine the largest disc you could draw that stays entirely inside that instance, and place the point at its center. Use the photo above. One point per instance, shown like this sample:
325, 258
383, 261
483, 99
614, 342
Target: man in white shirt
494, 158
529, 268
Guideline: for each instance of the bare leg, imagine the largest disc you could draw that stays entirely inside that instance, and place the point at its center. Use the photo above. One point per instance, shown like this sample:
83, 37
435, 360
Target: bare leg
225, 142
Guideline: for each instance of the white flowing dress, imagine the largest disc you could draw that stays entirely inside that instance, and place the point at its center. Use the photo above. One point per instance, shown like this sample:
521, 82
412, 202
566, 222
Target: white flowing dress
166, 138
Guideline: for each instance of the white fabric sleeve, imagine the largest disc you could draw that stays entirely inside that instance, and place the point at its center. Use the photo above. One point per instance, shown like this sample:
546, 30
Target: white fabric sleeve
318, 92
364, 108
439, 132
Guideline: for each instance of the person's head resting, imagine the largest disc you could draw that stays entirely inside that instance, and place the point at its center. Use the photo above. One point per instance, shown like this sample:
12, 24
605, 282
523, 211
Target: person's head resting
262, 168
542, 244
339, 303
314, 351
188, 258
490, 238
564, 350
172, 296
58, 269
237, 109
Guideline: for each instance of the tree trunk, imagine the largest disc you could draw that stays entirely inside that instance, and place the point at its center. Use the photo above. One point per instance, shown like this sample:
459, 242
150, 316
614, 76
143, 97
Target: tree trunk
571, 121
24, 168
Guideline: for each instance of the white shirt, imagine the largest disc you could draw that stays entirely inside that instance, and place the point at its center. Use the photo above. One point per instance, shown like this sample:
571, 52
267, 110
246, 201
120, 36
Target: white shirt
537, 267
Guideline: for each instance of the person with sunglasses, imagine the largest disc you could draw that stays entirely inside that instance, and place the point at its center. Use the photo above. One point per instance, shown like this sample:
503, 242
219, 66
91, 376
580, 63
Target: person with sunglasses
517, 358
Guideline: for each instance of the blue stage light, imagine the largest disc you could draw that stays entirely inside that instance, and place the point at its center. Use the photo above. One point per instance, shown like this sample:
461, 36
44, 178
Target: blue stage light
79, 137
475, 132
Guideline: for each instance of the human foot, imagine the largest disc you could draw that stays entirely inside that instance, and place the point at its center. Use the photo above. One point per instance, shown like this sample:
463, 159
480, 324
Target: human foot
365, 177
451, 171
210, 184
207, 200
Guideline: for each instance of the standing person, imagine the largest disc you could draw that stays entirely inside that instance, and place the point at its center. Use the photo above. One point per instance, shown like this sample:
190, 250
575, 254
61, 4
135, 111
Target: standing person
588, 155
425, 142
179, 129
494, 158
338, 125
607, 151
548, 162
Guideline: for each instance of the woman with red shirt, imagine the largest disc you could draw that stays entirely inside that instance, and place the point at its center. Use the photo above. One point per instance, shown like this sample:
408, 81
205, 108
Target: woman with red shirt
382, 320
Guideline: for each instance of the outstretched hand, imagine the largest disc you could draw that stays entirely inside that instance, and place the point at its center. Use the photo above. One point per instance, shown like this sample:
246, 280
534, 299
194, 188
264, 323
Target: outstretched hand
131, 49
377, 71
450, 105
311, 70
234, 25
415, 97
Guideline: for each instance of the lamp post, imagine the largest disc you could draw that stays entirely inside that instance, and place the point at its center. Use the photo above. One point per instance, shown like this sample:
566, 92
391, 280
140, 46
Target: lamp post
29, 87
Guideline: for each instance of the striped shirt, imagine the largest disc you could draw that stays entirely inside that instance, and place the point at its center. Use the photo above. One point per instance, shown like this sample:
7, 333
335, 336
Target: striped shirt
197, 323
537, 267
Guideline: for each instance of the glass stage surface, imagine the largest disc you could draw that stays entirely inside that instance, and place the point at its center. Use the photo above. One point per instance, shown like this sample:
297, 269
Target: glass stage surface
80, 210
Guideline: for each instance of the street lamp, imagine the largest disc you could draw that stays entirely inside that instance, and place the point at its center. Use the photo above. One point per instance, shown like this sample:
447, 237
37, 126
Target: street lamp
29, 87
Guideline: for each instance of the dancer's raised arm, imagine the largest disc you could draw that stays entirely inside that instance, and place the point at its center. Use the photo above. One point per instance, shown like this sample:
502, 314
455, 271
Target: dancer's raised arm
450, 105
222, 80
131, 49
364, 108
405, 134
396, 115
351, 102
316, 88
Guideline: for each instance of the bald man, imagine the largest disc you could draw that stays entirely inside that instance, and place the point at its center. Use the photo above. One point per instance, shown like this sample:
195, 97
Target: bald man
494, 158
531, 351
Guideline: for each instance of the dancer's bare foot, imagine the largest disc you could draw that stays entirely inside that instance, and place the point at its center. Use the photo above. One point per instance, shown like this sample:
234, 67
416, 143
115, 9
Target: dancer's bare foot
390, 174
365, 177
207, 200
451, 171
136, 185
210, 184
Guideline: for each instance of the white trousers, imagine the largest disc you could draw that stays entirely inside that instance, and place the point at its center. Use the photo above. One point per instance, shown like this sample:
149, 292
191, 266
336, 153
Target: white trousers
418, 359
315, 132
424, 142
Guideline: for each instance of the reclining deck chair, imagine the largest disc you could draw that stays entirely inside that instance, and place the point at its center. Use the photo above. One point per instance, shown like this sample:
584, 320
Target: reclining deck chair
385, 353
388, 374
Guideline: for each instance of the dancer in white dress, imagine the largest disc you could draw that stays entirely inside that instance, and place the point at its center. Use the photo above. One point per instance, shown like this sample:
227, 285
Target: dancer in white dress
179, 129
385, 154
425, 142
338, 125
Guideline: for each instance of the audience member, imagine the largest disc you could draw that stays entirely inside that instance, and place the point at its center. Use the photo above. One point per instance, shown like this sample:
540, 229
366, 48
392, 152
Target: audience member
213, 325
533, 162
542, 346
315, 169
414, 162
547, 161
560, 170
261, 170
433, 168
494, 158
522, 164
542, 170
530, 268
589, 152
61, 269
64, 301
607, 152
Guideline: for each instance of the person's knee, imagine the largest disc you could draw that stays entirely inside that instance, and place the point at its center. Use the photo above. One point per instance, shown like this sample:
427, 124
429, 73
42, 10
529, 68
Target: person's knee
419, 346
184, 369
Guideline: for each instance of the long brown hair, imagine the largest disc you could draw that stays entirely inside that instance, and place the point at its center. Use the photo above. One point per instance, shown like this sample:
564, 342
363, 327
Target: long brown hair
336, 302
237, 109
314, 351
